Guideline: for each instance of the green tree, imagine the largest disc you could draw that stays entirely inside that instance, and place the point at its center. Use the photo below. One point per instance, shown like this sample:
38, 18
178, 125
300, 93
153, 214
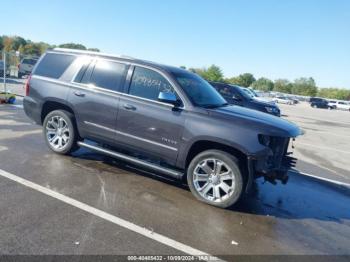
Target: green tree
73, 46
304, 86
7, 42
31, 49
17, 42
263, 84
283, 86
212, 73
1, 42
244, 80
335, 93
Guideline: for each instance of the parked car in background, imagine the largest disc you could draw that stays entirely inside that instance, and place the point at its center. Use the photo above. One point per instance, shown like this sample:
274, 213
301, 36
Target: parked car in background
343, 105
250, 91
332, 104
26, 66
236, 95
283, 100
159, 117
294, 99
317, 102
2, 69
256, 95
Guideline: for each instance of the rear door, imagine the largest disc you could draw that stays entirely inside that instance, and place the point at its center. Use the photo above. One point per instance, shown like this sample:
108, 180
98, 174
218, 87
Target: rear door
146, 125
95, 96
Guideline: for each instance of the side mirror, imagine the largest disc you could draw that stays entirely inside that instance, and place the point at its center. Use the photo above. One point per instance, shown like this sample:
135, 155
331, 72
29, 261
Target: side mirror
169, 98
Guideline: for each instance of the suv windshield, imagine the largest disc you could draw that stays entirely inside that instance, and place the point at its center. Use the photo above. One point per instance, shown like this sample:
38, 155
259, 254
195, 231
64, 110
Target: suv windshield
200, 92
248, 92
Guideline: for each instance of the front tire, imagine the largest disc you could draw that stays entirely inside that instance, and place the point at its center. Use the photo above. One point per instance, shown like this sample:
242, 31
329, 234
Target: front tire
214, 177
60, 132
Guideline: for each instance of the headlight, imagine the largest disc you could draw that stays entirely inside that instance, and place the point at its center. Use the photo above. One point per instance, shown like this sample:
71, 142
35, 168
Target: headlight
264, 140
270, 109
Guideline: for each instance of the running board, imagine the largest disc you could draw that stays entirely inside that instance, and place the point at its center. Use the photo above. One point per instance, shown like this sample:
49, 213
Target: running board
167, 171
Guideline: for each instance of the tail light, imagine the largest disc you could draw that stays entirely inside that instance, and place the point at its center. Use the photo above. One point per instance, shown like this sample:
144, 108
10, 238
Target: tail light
27, 85
18, 66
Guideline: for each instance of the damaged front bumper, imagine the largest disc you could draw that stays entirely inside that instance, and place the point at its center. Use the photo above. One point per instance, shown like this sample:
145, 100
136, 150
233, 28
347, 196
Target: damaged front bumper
273, 163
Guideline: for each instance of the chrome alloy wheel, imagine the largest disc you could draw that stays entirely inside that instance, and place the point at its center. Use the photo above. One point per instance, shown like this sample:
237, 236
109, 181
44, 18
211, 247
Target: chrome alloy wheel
214, 180
57, 132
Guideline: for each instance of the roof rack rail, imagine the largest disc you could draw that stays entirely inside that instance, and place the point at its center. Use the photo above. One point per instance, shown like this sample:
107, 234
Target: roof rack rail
70, 50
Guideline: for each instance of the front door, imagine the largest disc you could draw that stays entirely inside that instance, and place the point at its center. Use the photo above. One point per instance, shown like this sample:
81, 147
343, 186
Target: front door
144, 123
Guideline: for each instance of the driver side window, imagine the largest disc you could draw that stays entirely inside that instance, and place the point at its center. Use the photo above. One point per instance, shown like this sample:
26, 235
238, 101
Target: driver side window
147, 83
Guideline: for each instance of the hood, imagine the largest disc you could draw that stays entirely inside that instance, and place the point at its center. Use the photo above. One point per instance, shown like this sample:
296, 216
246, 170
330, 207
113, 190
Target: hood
268, 124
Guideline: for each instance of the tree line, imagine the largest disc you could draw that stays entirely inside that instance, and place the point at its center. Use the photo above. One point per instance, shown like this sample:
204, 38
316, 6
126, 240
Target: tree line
28, 47
304, 86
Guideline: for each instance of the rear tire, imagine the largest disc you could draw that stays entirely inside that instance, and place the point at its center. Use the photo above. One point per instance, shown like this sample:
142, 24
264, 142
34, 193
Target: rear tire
60, 132
214, 177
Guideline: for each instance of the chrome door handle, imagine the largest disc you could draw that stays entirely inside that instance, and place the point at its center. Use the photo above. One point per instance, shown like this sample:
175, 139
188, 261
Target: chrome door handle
78, 93
129, 107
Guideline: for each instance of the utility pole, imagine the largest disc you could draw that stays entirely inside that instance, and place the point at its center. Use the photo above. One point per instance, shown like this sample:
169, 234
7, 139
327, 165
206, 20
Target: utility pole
4, 56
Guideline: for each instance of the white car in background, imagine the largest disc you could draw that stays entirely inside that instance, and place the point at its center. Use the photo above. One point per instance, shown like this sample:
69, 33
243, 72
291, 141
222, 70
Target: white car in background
343, 105
283, 100
332, 104
256, 96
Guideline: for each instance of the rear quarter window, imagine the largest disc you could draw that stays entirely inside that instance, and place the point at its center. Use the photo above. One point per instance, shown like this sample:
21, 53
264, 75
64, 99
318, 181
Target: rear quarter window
54, 65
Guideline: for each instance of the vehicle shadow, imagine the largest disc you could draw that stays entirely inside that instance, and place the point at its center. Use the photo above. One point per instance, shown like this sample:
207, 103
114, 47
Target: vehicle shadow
301, 198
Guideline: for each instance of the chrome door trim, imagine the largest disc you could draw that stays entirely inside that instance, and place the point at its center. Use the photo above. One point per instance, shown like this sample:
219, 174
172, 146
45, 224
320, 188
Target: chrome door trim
131, 136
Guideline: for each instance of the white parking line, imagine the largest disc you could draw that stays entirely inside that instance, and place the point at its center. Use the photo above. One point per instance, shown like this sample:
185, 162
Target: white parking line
323, 147
106, 216
18, 106
321, 178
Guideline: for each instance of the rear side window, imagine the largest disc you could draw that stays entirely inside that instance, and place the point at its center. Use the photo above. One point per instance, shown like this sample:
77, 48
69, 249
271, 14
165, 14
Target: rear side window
148, 84
107, 74
54, 65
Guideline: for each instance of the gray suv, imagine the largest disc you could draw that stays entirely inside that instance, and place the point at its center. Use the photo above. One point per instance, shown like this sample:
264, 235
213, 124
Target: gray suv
158, 117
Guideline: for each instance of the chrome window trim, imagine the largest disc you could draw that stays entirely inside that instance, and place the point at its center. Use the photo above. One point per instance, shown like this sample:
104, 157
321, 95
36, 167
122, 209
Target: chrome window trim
131, 136
61, 53
86, 52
